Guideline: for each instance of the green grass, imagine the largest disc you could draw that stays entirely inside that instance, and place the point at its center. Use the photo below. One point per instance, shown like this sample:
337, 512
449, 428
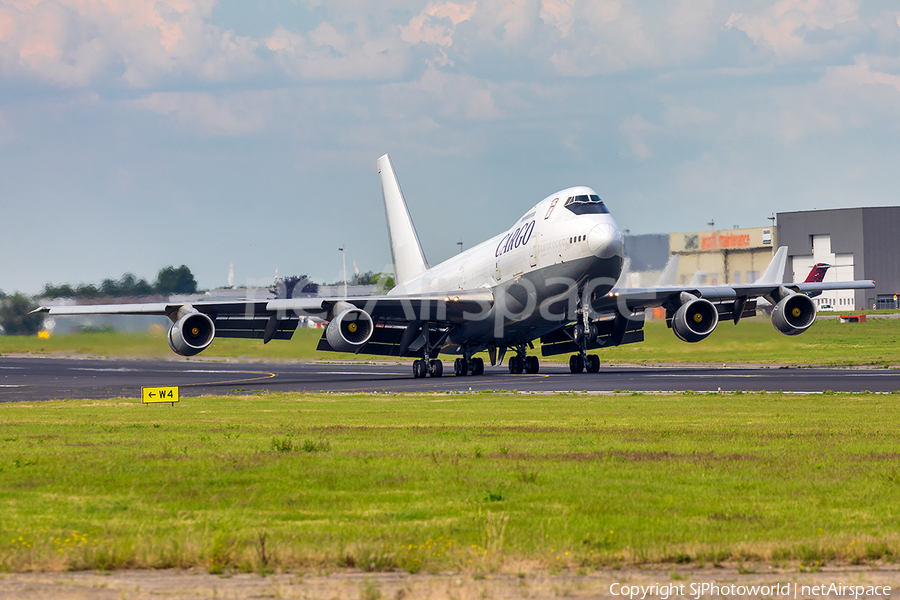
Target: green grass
462, 482
828, 342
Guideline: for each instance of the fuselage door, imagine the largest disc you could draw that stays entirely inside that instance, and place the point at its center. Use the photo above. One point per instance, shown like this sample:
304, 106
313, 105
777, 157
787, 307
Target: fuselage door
550, 210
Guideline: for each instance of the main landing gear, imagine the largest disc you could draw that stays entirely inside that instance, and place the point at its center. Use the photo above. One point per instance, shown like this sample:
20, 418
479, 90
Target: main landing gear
584, 362
463, 366
520, 362
423, 368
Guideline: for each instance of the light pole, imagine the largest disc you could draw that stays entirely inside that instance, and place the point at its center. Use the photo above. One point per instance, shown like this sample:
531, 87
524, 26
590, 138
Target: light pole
772, 218
459, 243
344, 261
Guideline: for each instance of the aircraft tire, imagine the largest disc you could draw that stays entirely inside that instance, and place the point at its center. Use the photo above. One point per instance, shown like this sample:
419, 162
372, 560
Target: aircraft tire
516, 365
578, 333
419, 369
576, 364
461, 367
532, 364
593, 363
477, 366
437, 368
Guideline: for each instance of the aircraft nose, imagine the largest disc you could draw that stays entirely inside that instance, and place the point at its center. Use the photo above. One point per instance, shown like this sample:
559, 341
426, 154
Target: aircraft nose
605, 241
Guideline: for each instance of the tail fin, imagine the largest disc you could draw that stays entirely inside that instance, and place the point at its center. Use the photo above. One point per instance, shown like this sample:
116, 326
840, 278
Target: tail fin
409, 260
775, 271
817, 273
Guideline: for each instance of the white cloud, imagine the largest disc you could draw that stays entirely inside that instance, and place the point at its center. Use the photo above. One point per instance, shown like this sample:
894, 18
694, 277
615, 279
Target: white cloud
77, 43
233, 115
435, 24
329, 54
559, 14
785, 26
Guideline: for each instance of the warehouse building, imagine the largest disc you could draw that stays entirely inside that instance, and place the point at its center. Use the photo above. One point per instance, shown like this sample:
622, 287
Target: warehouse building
857, 242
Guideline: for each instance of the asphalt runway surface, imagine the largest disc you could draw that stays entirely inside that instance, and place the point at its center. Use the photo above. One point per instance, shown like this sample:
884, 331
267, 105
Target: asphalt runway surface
30, 379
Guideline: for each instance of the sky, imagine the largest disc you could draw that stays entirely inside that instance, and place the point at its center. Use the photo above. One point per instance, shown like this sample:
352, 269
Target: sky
136, 134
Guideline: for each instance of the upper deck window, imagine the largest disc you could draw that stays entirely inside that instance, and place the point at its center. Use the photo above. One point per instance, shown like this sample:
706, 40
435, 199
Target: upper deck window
584, 205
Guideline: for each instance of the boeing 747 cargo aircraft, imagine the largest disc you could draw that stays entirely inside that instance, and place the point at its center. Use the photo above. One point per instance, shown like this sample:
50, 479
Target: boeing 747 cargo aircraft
550, 276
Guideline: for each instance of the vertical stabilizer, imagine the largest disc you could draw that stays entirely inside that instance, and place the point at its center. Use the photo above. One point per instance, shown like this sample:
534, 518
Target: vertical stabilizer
775, 271
409, 260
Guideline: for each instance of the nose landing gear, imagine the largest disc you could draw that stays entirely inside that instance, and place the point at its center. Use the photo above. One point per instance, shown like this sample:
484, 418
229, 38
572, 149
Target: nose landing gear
583, 334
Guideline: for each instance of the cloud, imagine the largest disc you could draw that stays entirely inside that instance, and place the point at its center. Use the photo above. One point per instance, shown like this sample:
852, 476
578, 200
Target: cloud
78, 43
559, 14
795, 28
234, 115
331, 54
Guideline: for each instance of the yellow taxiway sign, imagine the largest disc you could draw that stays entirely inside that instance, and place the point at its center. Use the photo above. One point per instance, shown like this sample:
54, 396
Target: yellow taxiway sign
159, 394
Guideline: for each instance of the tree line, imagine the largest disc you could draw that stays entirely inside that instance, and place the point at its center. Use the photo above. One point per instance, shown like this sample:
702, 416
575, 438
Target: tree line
15, 317
169, 280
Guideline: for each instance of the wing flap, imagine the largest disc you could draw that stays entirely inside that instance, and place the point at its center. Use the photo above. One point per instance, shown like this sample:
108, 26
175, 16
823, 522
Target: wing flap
230, 327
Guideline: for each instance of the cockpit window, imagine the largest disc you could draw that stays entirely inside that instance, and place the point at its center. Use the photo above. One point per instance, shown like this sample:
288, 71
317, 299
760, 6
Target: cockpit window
587, 205
570, 200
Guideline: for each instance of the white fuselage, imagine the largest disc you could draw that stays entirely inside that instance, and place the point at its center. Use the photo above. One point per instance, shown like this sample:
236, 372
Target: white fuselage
548, 251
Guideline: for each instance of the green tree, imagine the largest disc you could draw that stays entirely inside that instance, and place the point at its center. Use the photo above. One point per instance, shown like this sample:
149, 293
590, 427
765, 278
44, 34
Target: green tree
14, 316
385, 282
287, 287
171, 280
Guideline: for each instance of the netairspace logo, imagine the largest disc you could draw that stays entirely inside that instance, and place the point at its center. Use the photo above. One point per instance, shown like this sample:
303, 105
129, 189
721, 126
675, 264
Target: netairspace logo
773, 590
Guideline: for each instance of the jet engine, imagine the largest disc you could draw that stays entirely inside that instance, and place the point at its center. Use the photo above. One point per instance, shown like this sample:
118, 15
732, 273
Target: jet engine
695, 320
191, 334
350, 330
794, 314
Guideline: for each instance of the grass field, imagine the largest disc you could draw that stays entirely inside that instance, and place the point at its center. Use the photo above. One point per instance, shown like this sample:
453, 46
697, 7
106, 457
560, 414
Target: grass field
828, 342
472, 483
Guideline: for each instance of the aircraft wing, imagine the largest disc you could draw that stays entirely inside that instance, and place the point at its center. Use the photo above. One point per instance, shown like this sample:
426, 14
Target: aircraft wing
637, 299
692, 312
732, 301
449, 308
387, 318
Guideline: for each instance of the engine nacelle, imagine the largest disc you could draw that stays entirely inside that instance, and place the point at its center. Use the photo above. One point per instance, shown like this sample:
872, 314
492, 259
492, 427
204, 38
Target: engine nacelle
350, 330
794, 314
191, 334
695, 320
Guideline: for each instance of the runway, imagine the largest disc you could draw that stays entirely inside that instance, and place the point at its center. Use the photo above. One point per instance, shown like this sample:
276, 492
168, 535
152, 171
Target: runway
31, 379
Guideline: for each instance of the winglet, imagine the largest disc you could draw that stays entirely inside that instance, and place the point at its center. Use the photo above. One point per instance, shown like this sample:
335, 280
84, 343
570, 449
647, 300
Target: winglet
406, 251
775, 271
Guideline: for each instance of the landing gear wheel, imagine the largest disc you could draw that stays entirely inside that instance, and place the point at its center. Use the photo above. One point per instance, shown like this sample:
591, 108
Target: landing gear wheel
593, 363
460, 366
576, 363
532, 364
578, 333
420, 369
516, 365
437, 368
477, 366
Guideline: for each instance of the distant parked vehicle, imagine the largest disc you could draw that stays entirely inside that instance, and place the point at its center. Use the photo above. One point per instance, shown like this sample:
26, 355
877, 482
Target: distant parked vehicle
826, 307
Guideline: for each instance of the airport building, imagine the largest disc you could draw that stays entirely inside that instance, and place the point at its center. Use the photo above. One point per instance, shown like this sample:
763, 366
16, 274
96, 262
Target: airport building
727, 256
857, 242
646, 257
